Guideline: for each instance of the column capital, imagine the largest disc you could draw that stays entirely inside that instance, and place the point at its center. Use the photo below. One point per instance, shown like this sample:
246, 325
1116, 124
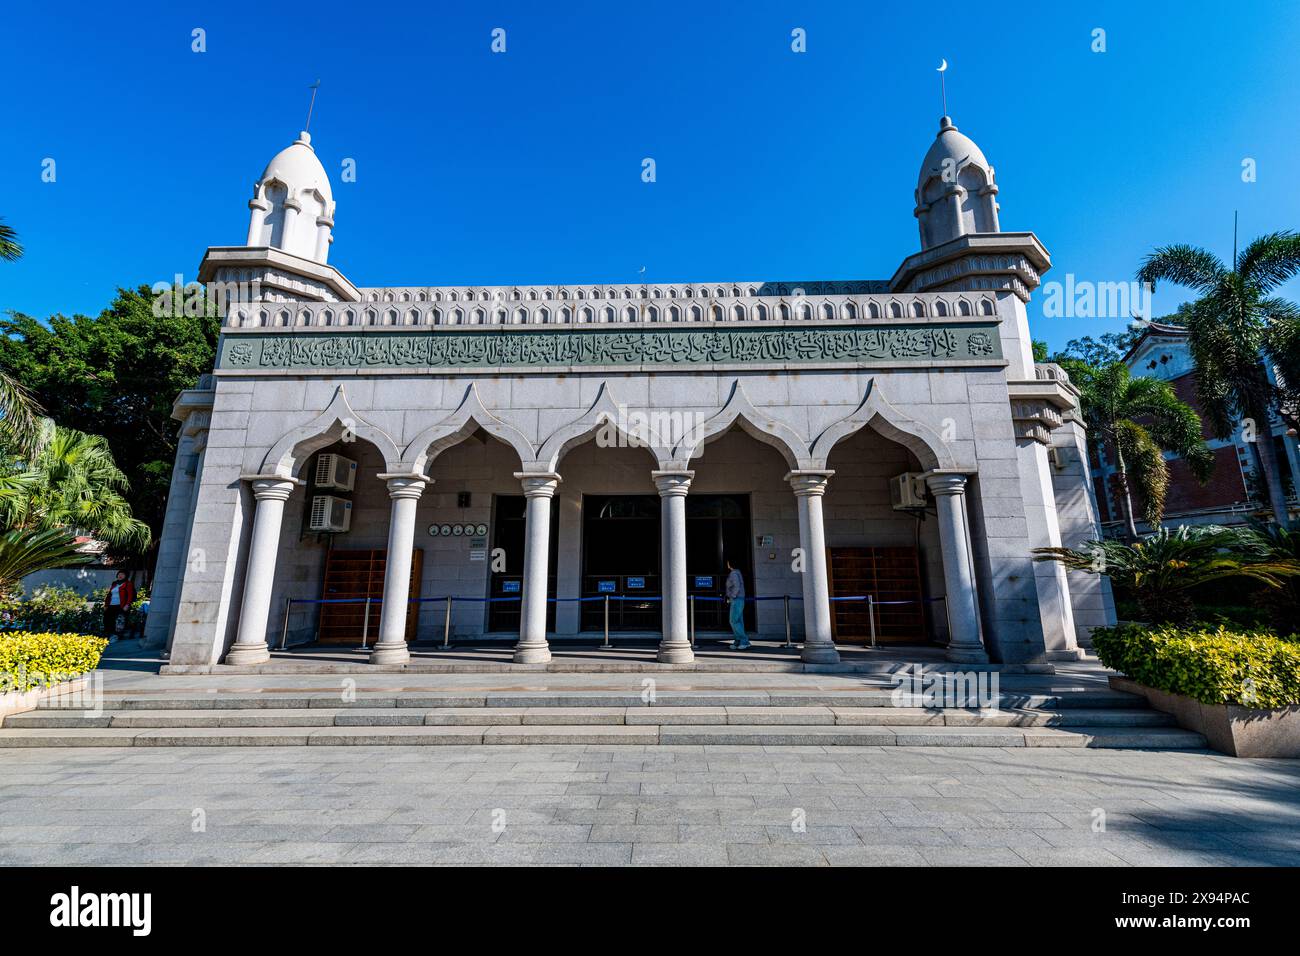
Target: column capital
538, 484
405, 484
946, 483
272, 487
671, 483
809, 482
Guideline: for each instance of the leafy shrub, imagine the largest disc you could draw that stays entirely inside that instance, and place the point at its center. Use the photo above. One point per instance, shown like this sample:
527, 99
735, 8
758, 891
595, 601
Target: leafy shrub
1212, 665
29, 659
52, 608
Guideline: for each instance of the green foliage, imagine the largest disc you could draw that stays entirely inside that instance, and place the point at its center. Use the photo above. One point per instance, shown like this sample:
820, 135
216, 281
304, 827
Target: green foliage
117, 375
73, 483
53, 608
1214, 666
10, 248
1280, 604
1141, 419
1232, 327
1158, 571
26, 552
30, 660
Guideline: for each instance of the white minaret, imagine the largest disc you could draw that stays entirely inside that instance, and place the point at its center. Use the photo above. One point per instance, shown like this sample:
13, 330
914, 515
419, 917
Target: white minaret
955, 192
292, 208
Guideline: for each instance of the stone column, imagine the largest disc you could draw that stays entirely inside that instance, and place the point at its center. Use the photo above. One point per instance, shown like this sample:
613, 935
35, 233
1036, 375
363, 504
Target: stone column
271, 493
291, 209
964, 642
260, 207
818, 645
675, 644
538, 491
405, 491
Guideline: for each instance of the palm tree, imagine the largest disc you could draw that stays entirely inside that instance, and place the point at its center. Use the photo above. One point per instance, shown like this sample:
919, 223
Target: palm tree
10, 247
72, 483
1141, 419
1233, 327
1159, 570
19, 413
26, 552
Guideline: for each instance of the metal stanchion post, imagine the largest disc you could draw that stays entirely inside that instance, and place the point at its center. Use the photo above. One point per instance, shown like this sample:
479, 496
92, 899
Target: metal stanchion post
692, 622
787, 622
871, 614
446, 626
365, 626
284, 631
607, 620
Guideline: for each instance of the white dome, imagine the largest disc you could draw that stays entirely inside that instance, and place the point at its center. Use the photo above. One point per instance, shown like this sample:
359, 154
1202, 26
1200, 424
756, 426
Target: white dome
292, 205
950, 144
955, 192
298, 168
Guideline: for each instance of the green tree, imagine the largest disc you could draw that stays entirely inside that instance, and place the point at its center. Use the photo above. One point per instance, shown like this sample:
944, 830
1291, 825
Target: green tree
1140, 419
117, 375
10, 248
26, 552
72, 484
19, 413
1235, 326
1161, 569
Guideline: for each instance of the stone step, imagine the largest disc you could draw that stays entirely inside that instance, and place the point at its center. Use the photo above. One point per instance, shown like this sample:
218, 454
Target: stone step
564, 699
570, 716
770, 735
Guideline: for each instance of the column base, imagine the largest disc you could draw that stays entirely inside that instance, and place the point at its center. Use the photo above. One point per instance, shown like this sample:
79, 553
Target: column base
675, 652
967, 654
819, 654
395, 653
532, 652
244, 654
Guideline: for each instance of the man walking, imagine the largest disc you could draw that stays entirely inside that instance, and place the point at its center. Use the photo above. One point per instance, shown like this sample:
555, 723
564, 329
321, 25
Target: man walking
736, 600
116, 603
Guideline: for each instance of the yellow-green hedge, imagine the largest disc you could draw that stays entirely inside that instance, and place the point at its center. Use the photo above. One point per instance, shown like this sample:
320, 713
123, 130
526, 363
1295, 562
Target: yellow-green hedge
1214, 666
29, 660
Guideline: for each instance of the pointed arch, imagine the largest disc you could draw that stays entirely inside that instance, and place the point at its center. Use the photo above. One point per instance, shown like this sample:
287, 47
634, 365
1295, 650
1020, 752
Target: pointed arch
605, 412
287, 455
876, 412
468, 417
739, 410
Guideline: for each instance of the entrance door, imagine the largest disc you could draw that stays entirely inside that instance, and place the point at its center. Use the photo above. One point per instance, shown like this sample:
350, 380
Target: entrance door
717, 529
508, 532
620, 556
889, 575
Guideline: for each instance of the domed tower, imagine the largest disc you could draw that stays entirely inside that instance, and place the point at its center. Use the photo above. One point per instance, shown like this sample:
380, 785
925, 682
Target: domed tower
292, 206
290, 229
955, 192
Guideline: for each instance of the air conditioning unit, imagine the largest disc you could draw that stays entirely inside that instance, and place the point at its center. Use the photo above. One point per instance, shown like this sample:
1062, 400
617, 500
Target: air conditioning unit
335, 471
907, 491
329, 513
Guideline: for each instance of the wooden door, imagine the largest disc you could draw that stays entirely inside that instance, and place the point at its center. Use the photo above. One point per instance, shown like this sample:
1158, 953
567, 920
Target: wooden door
357, 575
887, 574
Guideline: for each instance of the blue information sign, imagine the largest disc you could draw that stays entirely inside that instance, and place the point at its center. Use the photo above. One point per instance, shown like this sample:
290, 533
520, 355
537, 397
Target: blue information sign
704, 581
606, 587
510, 587
635, 584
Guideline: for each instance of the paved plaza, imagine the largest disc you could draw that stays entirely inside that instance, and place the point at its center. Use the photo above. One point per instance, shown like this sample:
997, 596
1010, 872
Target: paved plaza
645, 805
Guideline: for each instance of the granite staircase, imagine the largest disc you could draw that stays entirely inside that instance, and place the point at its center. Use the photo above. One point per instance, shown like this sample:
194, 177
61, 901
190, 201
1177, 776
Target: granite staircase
868, 715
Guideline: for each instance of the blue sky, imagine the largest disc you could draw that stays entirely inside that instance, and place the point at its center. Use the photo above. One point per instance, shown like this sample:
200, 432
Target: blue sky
474, 167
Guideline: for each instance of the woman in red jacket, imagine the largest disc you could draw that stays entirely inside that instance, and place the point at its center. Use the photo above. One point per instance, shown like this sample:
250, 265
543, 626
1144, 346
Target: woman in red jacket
121, 593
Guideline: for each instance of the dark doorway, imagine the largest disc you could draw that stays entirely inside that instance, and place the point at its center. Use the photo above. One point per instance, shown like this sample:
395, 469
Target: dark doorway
620, 556
717, 528
508, 526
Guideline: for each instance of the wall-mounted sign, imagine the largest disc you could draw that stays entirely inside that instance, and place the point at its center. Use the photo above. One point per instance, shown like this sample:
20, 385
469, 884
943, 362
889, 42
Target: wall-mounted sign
444, 530
763, 541
480, 530
457, 530
477, 542
704, 581
510, 587
636, 584
606, 587
478, 554
433, 531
